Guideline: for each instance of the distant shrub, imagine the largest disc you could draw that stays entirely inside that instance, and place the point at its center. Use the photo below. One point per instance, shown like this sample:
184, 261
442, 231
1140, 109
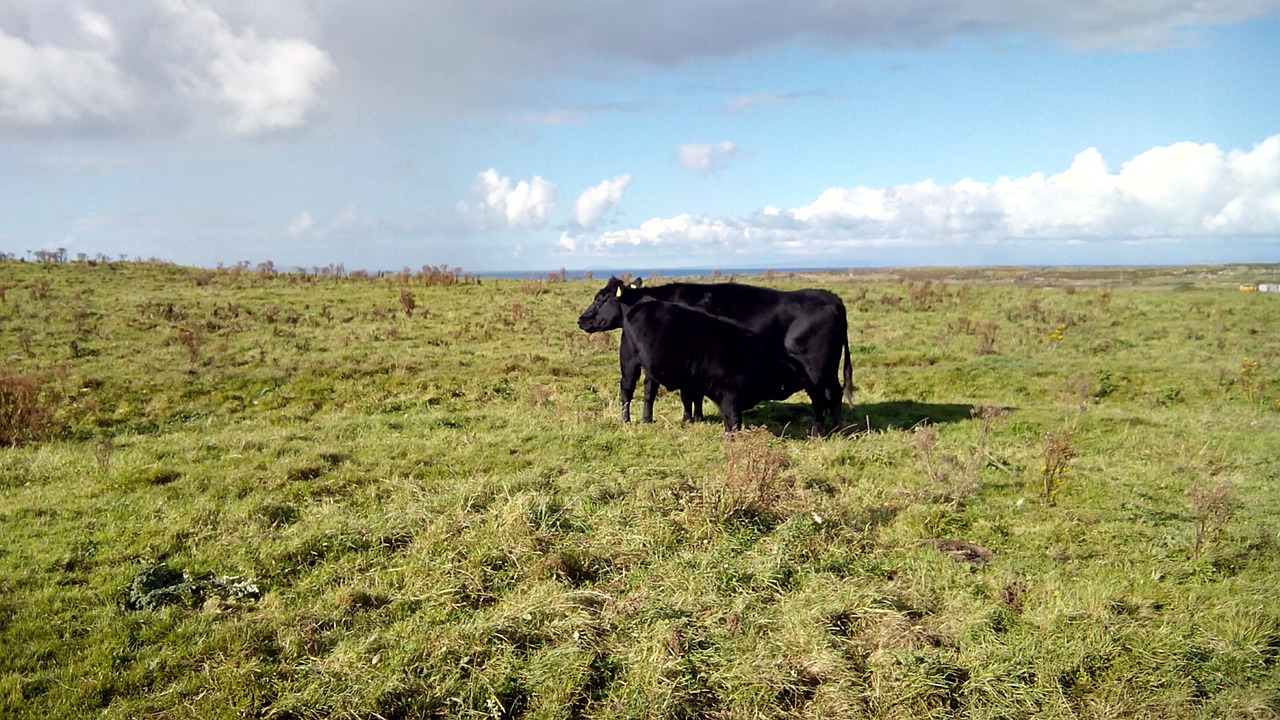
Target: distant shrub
192, 338
441, 275
26, 408
408, 302
39, 290
926, 295
986, 335
530, 286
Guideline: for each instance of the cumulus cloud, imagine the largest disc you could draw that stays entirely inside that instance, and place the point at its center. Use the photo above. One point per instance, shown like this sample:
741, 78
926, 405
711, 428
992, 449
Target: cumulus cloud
1181, 191
523, 204
263, 85
64, 68
464, 55
707, 158
135, 66
594, 202
49, 85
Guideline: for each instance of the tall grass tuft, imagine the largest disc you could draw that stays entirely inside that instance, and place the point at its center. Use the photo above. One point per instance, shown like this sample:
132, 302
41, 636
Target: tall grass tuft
1057, 449
1213, 508
755, 489
28, 405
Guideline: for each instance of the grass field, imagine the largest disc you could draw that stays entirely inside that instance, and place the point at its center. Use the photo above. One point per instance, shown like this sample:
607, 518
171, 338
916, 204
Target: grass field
241, 493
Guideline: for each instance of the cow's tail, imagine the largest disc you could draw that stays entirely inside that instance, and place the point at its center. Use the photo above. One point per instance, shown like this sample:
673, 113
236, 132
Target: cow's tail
848, 372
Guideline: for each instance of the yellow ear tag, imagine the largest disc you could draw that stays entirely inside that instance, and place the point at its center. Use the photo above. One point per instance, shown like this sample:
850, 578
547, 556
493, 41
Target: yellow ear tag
619, 292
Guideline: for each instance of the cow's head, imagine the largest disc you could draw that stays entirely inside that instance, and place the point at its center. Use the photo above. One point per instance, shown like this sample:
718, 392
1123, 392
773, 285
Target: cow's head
605, 312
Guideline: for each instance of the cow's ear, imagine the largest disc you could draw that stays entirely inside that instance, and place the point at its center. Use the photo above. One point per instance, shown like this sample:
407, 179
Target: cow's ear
635, 284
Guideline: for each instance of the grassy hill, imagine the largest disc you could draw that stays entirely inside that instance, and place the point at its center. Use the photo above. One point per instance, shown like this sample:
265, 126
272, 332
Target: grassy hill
243, 493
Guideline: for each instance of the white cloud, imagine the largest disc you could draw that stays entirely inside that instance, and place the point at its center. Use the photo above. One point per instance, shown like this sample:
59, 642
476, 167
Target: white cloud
751, 101
347, 223
464, 56
138, 66
48, 85
265, 85
523, 204
590, 207
1181, 191
707, 158
301, 225
258, 67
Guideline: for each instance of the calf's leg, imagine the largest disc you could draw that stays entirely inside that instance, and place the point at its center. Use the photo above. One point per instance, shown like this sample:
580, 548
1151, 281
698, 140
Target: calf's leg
629, 364
692, 406
650, 394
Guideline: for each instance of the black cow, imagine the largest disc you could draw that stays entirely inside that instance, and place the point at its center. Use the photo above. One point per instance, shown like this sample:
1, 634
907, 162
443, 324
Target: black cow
629, 361
703, 355
811, 325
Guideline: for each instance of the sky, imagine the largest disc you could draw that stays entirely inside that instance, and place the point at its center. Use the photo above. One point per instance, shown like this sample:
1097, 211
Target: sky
494, 135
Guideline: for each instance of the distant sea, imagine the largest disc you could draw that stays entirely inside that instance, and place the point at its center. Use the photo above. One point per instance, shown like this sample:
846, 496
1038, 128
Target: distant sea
659, 272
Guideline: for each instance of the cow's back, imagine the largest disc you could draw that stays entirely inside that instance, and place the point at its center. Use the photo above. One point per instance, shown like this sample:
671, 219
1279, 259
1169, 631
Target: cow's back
682, 347
790, 317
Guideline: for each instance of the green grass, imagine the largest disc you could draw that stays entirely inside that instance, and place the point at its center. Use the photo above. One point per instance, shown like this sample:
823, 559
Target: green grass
445, 517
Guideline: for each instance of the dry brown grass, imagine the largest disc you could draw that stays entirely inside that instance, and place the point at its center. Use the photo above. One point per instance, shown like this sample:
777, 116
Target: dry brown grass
27, 408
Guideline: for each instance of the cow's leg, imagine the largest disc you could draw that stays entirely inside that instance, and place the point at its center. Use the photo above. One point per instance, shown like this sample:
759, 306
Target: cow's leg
836, 395
629, 362
819, 417
692, 406
650, 394
818, 400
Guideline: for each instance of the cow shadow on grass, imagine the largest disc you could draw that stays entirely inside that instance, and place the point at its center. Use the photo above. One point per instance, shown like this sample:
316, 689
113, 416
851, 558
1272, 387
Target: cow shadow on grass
794, 419
905, 414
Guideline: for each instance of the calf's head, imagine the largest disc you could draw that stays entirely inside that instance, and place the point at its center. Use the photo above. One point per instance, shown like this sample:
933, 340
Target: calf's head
790, 377
605, 312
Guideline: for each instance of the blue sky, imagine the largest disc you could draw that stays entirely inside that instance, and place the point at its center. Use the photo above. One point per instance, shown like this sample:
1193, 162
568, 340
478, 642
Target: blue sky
532, 136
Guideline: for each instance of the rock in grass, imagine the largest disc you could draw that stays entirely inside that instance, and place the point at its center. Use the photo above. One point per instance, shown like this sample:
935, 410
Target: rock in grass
963, 551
